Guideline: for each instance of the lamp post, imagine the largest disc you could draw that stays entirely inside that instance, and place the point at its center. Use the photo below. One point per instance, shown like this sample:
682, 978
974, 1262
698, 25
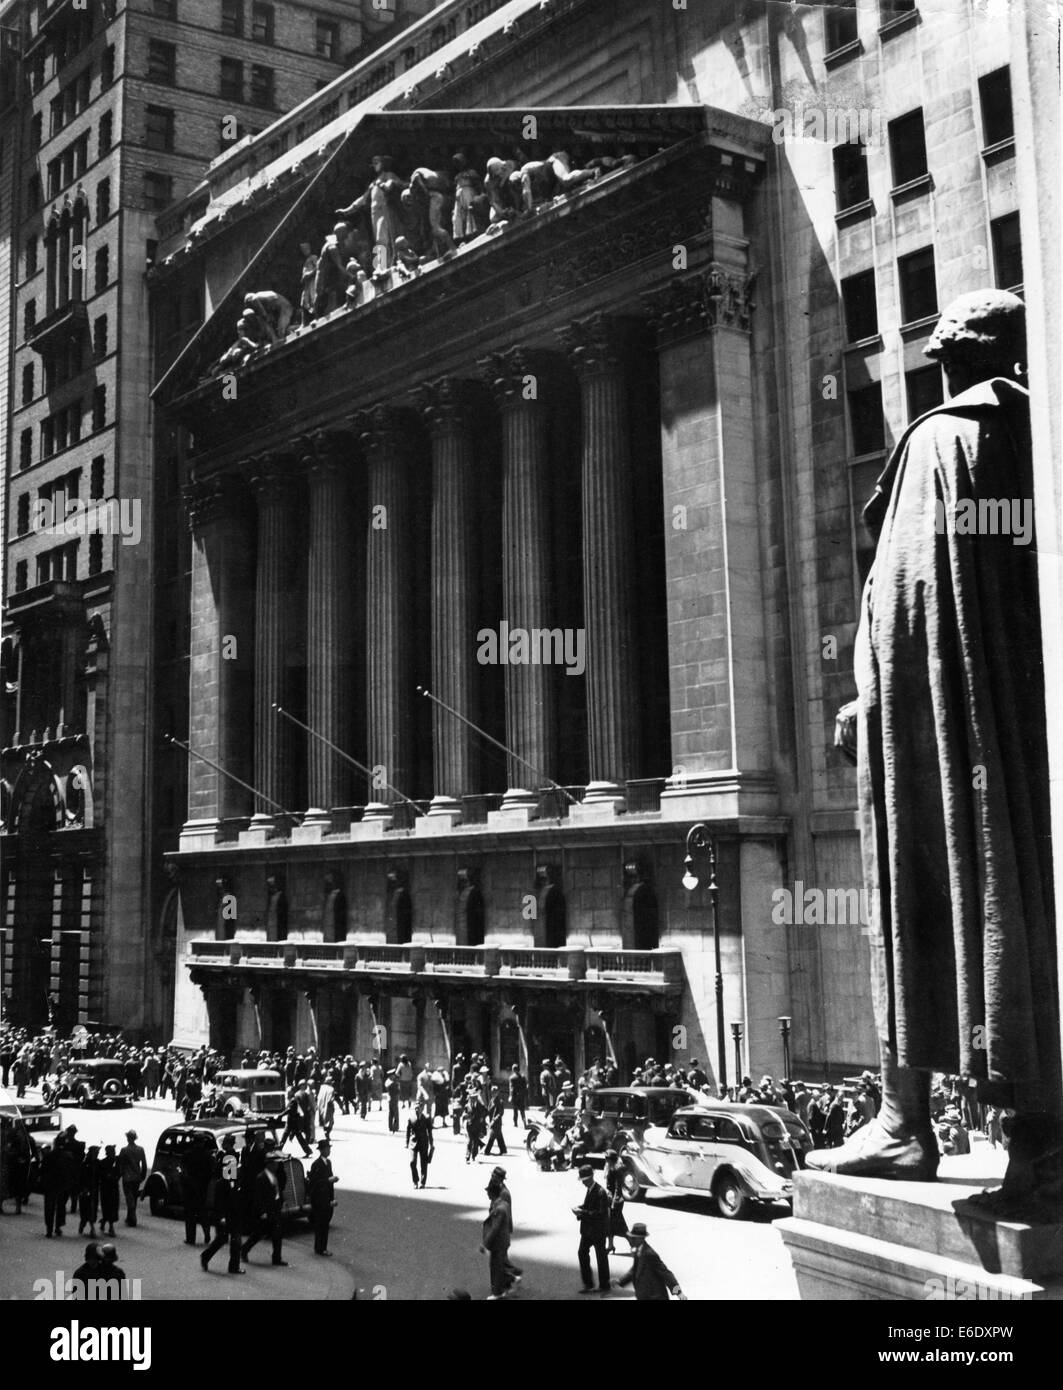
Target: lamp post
736, 1033
700, 841
784, 1029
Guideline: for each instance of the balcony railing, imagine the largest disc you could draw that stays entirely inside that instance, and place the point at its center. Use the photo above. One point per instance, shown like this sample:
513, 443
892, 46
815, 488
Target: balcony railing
659, 969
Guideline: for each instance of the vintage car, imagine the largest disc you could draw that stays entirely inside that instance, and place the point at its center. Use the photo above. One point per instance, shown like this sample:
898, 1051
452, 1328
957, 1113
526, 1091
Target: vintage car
617, 1117
163, 1187
739, 1154
95, 1081
249, 1092
43, 1122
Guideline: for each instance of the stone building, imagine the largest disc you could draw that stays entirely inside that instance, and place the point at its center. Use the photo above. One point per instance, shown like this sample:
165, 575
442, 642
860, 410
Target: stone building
111, 110
642, 411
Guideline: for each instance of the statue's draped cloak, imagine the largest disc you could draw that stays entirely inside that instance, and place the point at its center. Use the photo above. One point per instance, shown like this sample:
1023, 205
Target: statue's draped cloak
952, 756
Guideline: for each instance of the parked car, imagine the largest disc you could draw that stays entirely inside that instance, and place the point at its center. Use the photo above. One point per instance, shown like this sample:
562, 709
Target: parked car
43, 1122
616, 1117
163, 1187
249, 1092
740, 1154
95, 1081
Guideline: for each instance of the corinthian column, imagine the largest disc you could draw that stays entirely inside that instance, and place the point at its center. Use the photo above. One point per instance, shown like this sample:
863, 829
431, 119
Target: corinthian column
221, 657
272, 480
388, 581
597, 348
446, 409
332, 585
517, 379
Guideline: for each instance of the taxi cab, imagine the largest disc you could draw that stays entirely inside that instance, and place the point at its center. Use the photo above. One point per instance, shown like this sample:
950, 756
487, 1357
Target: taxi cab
741, 1155
249, 1091
163, 1187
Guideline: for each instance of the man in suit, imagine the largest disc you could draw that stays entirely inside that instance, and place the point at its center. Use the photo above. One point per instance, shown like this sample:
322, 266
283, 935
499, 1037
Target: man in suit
497, 1233
419, 1133
518, 1095
652, 1278
264, 1199
195, 1179
226, 1173
133, 1166
319, 1186
593, 1217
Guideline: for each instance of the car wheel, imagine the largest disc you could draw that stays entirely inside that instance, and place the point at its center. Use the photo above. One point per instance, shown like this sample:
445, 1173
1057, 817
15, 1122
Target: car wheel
732, 1200
112, 1087
156, 1203
630, 1185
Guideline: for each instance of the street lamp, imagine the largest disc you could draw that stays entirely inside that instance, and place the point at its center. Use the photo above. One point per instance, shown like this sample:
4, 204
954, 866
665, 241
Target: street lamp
784, 1029
736, 1033
700, 841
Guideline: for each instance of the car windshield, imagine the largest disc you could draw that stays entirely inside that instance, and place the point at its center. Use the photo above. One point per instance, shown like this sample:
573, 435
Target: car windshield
662, 1108
104, 1071
264, 1081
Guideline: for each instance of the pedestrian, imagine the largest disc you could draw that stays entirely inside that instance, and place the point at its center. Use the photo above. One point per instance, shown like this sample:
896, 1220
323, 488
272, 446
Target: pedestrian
614, 1186
88, 1273
88, 1191
652, 1278
52, 1180
518, 1095
111, 1271
110, 1181
404, 1074
307, 1111
423, 1095
440, 1096
475, 1125
593, 1216
263, 1192
320, 1186
419, 1131
293, 1124
376, 1083
515, 1273
133, 1167
391, 1088
75, 1148
496, 1237
347, 1091
364, 1087
496, 1114
226, 1172
326, 1108
195, 1180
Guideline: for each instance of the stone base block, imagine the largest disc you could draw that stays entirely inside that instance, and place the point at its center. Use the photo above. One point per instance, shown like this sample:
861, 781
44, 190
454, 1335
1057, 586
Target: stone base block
436, 823
311, 832
369, 829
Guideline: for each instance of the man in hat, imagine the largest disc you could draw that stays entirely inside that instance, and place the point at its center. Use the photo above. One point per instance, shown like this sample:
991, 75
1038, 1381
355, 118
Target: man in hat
133, 1168
950, 674
518, 1095
652, 1278
593, 1216
226, 1173
419, 1133
497, 1233
516, 1274
394, 1093
320, 1185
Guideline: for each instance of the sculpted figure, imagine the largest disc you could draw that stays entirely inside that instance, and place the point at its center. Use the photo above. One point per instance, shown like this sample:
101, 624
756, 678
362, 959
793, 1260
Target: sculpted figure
249, 338
273, 311
544, 179
951, 755
381, 203
501, 184
429, 200
333, 276
470, 203
308, 283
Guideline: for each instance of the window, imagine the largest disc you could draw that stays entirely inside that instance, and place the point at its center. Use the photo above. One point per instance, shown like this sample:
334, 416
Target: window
103, 267
162, 62
164, 9
106, 135
95, 553
850, 175
25, 448
919, 296
55, 116
60, 426
103, 200
232, 17
27, 383
55, 177
96, 478
99, 338
1007, 251
36, 131
107, 67
232, 79
158, 191
22, 514
73, 425
35, 191
262, 23
22, 574
81, 156
907, 148
261, 85
158, 128
892, 9
99, 407
327, 38
866, 420
923, 389
994, 90
31, 255
841, 25
29, 317
47, 438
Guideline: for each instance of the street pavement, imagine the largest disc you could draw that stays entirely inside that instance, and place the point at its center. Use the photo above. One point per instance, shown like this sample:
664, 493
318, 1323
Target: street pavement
391, 1241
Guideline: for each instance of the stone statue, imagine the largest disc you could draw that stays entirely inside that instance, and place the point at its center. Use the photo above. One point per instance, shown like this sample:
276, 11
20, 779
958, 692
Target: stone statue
501, 184
249, 338
381, 203
333, 276
429, 202
470, 202
952, 773
308, 283
273, 311
542, 180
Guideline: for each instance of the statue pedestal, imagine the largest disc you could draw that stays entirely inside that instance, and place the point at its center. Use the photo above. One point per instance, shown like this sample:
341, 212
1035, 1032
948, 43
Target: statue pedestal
867, 1238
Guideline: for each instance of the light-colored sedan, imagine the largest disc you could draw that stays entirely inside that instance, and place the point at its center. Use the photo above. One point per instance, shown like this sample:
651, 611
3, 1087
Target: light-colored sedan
739, 1154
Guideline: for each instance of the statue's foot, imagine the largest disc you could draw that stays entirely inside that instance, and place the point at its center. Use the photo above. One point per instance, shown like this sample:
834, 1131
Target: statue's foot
1033, 1183
873, 1152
